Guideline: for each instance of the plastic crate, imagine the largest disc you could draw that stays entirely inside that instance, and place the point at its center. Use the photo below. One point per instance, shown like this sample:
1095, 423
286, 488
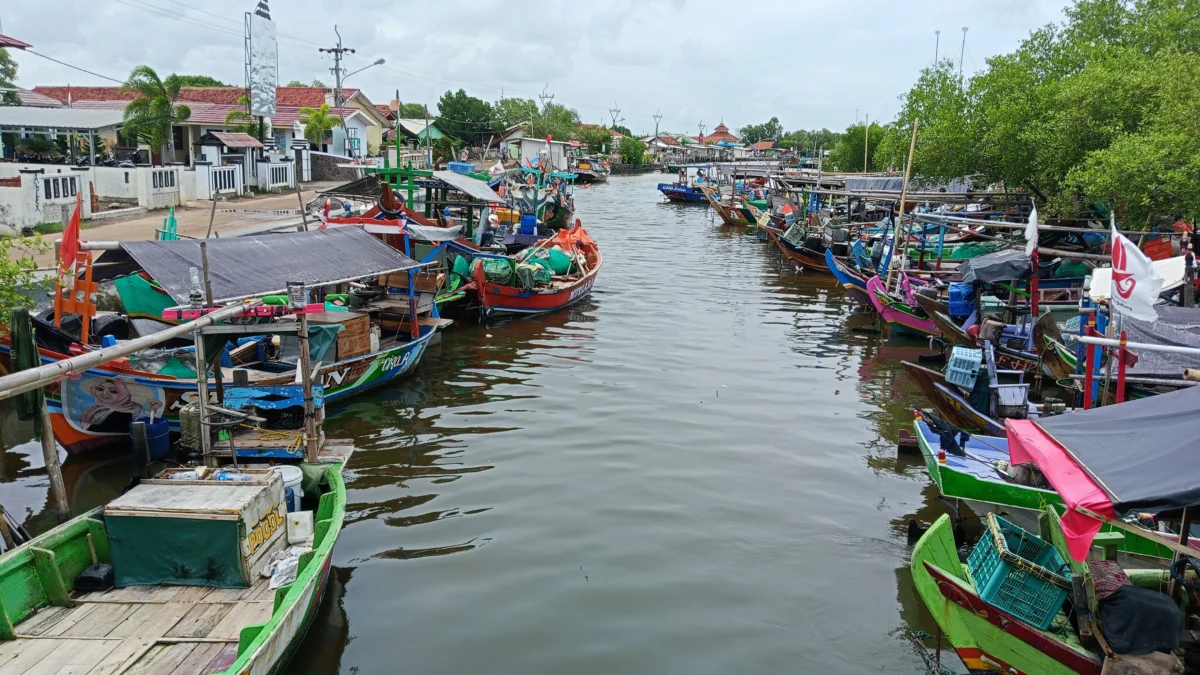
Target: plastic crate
1019, 573
961, 308
963, 367
461, 167
962, 291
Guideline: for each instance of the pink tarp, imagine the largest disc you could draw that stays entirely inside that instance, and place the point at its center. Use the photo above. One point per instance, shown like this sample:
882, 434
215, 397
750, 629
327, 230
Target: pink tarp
1028, 443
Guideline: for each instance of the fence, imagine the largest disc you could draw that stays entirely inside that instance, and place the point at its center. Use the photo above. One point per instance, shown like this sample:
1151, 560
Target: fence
275, 175
226, 179
159, 187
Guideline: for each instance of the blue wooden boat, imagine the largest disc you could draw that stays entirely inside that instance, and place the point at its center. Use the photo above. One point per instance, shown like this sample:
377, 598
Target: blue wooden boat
687, 189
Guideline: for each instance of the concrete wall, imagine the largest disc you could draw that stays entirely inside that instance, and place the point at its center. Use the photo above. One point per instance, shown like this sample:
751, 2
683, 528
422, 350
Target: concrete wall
338, 146
325, 167
41, 197
115, 183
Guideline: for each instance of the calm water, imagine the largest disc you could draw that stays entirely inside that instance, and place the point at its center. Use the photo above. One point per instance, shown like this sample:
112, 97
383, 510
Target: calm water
693, 472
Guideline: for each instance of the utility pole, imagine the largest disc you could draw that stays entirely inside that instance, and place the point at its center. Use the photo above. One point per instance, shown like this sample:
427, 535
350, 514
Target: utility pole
338, 52
546, 100
614, 112
657, 118
937, 42
961, 52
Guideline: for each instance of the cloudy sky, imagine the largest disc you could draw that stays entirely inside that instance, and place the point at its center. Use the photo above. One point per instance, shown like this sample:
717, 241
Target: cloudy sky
812, 63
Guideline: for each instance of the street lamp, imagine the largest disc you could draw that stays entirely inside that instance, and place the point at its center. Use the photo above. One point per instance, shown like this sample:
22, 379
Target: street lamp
378, 62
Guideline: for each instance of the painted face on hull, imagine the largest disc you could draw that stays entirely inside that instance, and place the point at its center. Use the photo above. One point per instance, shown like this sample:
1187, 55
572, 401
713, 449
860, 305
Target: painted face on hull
111, 393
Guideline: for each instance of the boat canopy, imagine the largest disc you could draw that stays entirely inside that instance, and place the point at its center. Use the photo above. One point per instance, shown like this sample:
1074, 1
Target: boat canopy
1010, 265
1138, 456
1177, 327
247, 267
472, 187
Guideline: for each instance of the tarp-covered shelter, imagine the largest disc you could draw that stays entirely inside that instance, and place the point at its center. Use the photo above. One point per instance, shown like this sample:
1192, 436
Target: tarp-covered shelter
1113, 460
247, 267
1176, 327
1010, 265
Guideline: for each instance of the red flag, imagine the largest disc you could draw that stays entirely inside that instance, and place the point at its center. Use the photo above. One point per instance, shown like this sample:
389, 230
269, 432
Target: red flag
70, 240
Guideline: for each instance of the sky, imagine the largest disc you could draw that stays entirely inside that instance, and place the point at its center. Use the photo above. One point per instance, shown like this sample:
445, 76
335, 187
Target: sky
811, 63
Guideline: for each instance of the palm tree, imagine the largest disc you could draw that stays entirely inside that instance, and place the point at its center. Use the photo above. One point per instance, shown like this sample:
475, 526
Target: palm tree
318, 123
240, 119
153, 114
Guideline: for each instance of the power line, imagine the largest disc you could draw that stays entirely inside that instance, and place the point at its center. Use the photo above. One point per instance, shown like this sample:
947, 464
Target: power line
159, 11
64, 63
238, 23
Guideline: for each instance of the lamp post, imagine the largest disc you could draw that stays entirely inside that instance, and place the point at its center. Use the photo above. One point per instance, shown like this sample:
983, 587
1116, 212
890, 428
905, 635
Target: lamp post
337, 96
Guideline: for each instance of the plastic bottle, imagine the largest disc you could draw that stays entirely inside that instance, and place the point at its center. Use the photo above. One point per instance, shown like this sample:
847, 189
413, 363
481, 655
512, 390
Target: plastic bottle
233, 477
185, 475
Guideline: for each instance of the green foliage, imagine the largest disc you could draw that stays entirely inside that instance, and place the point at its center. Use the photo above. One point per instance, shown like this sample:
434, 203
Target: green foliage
414, 111
8, 78
443, 150
770, 130
632, 151
318, 123
151, 116
240, 119
622, 130
40, 146
1100, 109
201, 81
597, 139
315, 83
556, 120
18, 273
48, 228
847, 153
510, 111
465, 117
807, 143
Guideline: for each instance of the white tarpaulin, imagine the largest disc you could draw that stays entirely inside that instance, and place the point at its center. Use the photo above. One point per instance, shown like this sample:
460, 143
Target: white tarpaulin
1171, 271
264, 64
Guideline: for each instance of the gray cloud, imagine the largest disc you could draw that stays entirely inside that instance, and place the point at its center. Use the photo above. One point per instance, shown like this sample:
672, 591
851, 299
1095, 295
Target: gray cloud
812, 64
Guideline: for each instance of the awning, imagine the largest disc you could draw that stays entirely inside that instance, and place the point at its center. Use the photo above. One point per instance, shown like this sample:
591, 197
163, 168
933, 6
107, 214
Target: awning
230, 139
1009, 265
1136, 456
247, 267
476, 189
73, 120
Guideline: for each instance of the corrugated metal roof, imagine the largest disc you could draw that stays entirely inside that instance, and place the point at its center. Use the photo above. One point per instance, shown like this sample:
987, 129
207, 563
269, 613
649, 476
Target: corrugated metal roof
34, 99
6, 41
60, 118
234, 139
472, 187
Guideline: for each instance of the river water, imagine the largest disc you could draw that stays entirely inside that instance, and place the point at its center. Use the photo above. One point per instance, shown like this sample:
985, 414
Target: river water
694, 471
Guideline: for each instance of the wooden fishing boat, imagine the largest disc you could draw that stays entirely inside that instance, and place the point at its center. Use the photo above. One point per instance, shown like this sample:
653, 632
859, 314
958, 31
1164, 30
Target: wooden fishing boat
590, 170
689, 188
560, 292
949, 402
169, 612
899, 315
951, 332
806, 254
850, 278
734, 214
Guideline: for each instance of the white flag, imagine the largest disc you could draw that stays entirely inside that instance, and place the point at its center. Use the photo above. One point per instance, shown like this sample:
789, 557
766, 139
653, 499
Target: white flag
1031, 232
1135, 285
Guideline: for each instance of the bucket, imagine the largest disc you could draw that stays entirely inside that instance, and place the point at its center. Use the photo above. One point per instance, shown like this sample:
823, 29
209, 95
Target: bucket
292, 478
158, 435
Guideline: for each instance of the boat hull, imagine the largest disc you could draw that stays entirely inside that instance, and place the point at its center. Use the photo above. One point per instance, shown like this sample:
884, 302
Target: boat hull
949, 403
896, 314
684, 194
498, 299
69, 400
851, 280
805, 257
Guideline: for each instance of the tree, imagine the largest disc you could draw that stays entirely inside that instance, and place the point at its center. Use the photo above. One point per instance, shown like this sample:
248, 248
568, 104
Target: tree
807, 143
511, 111
41, 147
632, 151
411, 111
847, 153
595, 138
622, 130
8, 79
240, 119
318, 123
556, 120
152, 116
315, 83
770, 130
465, 117
201, 81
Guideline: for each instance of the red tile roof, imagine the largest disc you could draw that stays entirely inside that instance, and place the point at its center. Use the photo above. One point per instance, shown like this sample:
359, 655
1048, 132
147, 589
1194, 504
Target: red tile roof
762, 145
668, 140
284, 96
6, 41
214, 113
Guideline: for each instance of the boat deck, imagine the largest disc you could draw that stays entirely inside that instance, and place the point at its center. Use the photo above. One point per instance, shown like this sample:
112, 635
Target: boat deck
138, 630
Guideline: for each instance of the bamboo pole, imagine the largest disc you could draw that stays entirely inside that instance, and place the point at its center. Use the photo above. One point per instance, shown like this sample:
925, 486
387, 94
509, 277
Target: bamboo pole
912, 146
50, 455
212, 214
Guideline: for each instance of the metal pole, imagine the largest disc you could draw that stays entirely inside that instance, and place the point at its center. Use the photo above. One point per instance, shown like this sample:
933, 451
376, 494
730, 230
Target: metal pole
218, 376
312, 446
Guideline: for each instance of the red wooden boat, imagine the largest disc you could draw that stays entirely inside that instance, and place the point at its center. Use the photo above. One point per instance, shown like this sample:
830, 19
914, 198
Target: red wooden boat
560, 292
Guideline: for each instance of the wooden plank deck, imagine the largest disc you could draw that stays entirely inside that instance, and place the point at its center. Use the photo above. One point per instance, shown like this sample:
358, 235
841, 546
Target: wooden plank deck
139, 630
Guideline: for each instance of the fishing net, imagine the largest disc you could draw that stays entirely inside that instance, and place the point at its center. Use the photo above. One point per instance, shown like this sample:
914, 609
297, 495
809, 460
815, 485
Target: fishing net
967, 251
1072, 268
497, 271
530, 275
553, 259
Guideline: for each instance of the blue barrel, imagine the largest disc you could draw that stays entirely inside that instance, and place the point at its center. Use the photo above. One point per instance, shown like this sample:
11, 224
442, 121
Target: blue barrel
158, 435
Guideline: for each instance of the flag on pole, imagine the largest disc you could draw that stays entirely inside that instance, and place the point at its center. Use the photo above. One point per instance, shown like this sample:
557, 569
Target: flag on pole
1135, 284
70, 240
1031, 232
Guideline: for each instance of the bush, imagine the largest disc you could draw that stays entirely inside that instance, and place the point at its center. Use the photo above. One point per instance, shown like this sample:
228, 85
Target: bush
48, 228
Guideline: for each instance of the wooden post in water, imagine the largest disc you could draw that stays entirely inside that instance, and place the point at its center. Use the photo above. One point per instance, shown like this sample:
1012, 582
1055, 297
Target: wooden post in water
212, 214
50, 455
298, 296
901, 243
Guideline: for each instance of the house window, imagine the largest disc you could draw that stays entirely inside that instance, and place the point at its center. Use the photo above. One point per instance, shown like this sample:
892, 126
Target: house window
281, 139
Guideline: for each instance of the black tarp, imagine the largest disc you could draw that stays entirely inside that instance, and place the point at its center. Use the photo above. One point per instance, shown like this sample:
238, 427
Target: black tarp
1142, 452
245, 267
1176, 326
1010, 265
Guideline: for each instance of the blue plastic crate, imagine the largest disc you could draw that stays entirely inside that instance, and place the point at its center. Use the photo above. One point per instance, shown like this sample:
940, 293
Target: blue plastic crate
1019, 573
962, 291
963, 367
961, 308
461, 167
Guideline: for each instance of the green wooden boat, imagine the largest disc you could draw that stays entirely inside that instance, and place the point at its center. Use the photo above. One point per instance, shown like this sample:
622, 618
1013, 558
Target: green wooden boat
196, 626
988, 638
976, 479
